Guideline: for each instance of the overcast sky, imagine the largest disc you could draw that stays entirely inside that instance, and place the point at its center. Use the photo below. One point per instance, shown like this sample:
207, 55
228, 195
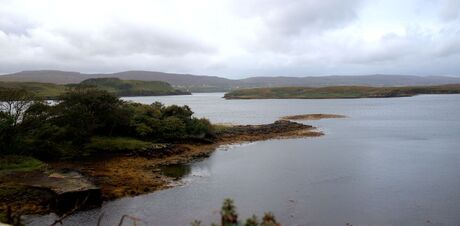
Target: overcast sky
232, 38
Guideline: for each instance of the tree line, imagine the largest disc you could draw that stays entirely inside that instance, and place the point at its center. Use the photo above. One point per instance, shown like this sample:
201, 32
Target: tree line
83, 115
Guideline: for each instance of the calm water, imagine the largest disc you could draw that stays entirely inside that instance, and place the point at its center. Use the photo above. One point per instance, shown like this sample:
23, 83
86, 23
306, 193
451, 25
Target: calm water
393, 162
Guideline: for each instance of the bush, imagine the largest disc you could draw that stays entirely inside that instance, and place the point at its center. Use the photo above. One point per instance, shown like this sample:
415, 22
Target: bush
173, 123
10, 163
116, 144
229, 217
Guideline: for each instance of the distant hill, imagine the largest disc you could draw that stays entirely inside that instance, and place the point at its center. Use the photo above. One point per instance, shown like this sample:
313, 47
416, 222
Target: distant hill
133, 87
183, 81
339, 92
44, 90
202, 83
350, 80
113, 85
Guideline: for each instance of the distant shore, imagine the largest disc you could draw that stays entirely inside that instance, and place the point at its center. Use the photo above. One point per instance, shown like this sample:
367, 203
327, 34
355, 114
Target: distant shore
339, 92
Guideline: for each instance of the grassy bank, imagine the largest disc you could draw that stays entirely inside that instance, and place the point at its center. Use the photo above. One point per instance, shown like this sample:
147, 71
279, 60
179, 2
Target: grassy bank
16, 163
339, 92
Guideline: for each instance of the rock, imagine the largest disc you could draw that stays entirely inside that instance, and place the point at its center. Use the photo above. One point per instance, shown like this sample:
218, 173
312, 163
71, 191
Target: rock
278, 127
71, 190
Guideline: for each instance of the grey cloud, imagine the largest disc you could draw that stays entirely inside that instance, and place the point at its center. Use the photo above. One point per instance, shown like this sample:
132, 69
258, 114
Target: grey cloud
452, 47
12, 22
122, 39
392, 48
294, 17
298, 37
312, 16
450, 9
119, 46
449, 41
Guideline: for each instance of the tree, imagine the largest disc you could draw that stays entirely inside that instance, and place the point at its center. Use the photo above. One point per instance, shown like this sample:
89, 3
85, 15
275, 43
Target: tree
13, 105
85, 112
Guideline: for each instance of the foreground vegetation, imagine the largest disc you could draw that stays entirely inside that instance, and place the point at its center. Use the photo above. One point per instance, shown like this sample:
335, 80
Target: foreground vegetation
229, 217
115, 86
86, 121
339, 92
81, 124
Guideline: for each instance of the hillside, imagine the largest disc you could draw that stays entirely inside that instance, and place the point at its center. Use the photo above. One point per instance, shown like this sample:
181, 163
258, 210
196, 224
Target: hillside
43, 90
133, 87
182, 81
112, 85
339, 92
201, 83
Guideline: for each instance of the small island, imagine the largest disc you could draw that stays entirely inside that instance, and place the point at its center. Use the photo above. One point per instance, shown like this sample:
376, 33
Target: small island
90, 146
339, 92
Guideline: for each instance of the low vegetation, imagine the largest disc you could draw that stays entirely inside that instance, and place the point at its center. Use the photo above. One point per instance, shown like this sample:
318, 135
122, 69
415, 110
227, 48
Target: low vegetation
10, 163
312, 117
116, 144
229, 217
339, 92
115, 86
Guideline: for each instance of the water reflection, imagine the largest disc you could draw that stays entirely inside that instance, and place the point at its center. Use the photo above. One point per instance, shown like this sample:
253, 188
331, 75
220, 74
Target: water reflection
176, 171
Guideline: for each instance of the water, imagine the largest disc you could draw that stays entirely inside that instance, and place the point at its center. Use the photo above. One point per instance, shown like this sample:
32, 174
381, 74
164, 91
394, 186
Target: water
394, 161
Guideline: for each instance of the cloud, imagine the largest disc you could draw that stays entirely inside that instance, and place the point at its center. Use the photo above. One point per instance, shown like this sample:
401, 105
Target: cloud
234, 38
450, 9
294, 17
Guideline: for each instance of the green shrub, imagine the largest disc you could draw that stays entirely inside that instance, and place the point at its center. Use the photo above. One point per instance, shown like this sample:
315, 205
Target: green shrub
229, 217
116, 144
9, 163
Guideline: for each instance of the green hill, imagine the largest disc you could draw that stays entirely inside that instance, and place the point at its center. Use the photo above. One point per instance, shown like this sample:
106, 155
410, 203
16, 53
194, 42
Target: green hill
113, 85
333, 92
44, 90
133, 87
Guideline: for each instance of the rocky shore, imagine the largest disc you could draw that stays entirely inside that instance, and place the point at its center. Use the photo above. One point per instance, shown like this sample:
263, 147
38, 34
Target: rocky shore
312, 117
70, 185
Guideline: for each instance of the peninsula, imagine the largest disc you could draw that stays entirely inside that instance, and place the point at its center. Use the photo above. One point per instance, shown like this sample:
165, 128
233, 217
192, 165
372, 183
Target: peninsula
339, 92
92, 146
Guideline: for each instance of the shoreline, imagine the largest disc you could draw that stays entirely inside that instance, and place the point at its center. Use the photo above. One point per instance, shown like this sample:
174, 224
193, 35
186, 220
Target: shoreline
340, 92
120, 176
310, 117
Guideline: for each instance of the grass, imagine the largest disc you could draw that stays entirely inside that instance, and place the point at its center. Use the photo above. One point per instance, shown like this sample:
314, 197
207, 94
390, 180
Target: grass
339, 92
116, 144
14, 163
220, 127
43, 90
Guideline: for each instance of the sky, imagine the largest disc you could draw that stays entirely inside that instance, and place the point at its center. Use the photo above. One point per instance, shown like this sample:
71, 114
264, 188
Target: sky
232, 38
